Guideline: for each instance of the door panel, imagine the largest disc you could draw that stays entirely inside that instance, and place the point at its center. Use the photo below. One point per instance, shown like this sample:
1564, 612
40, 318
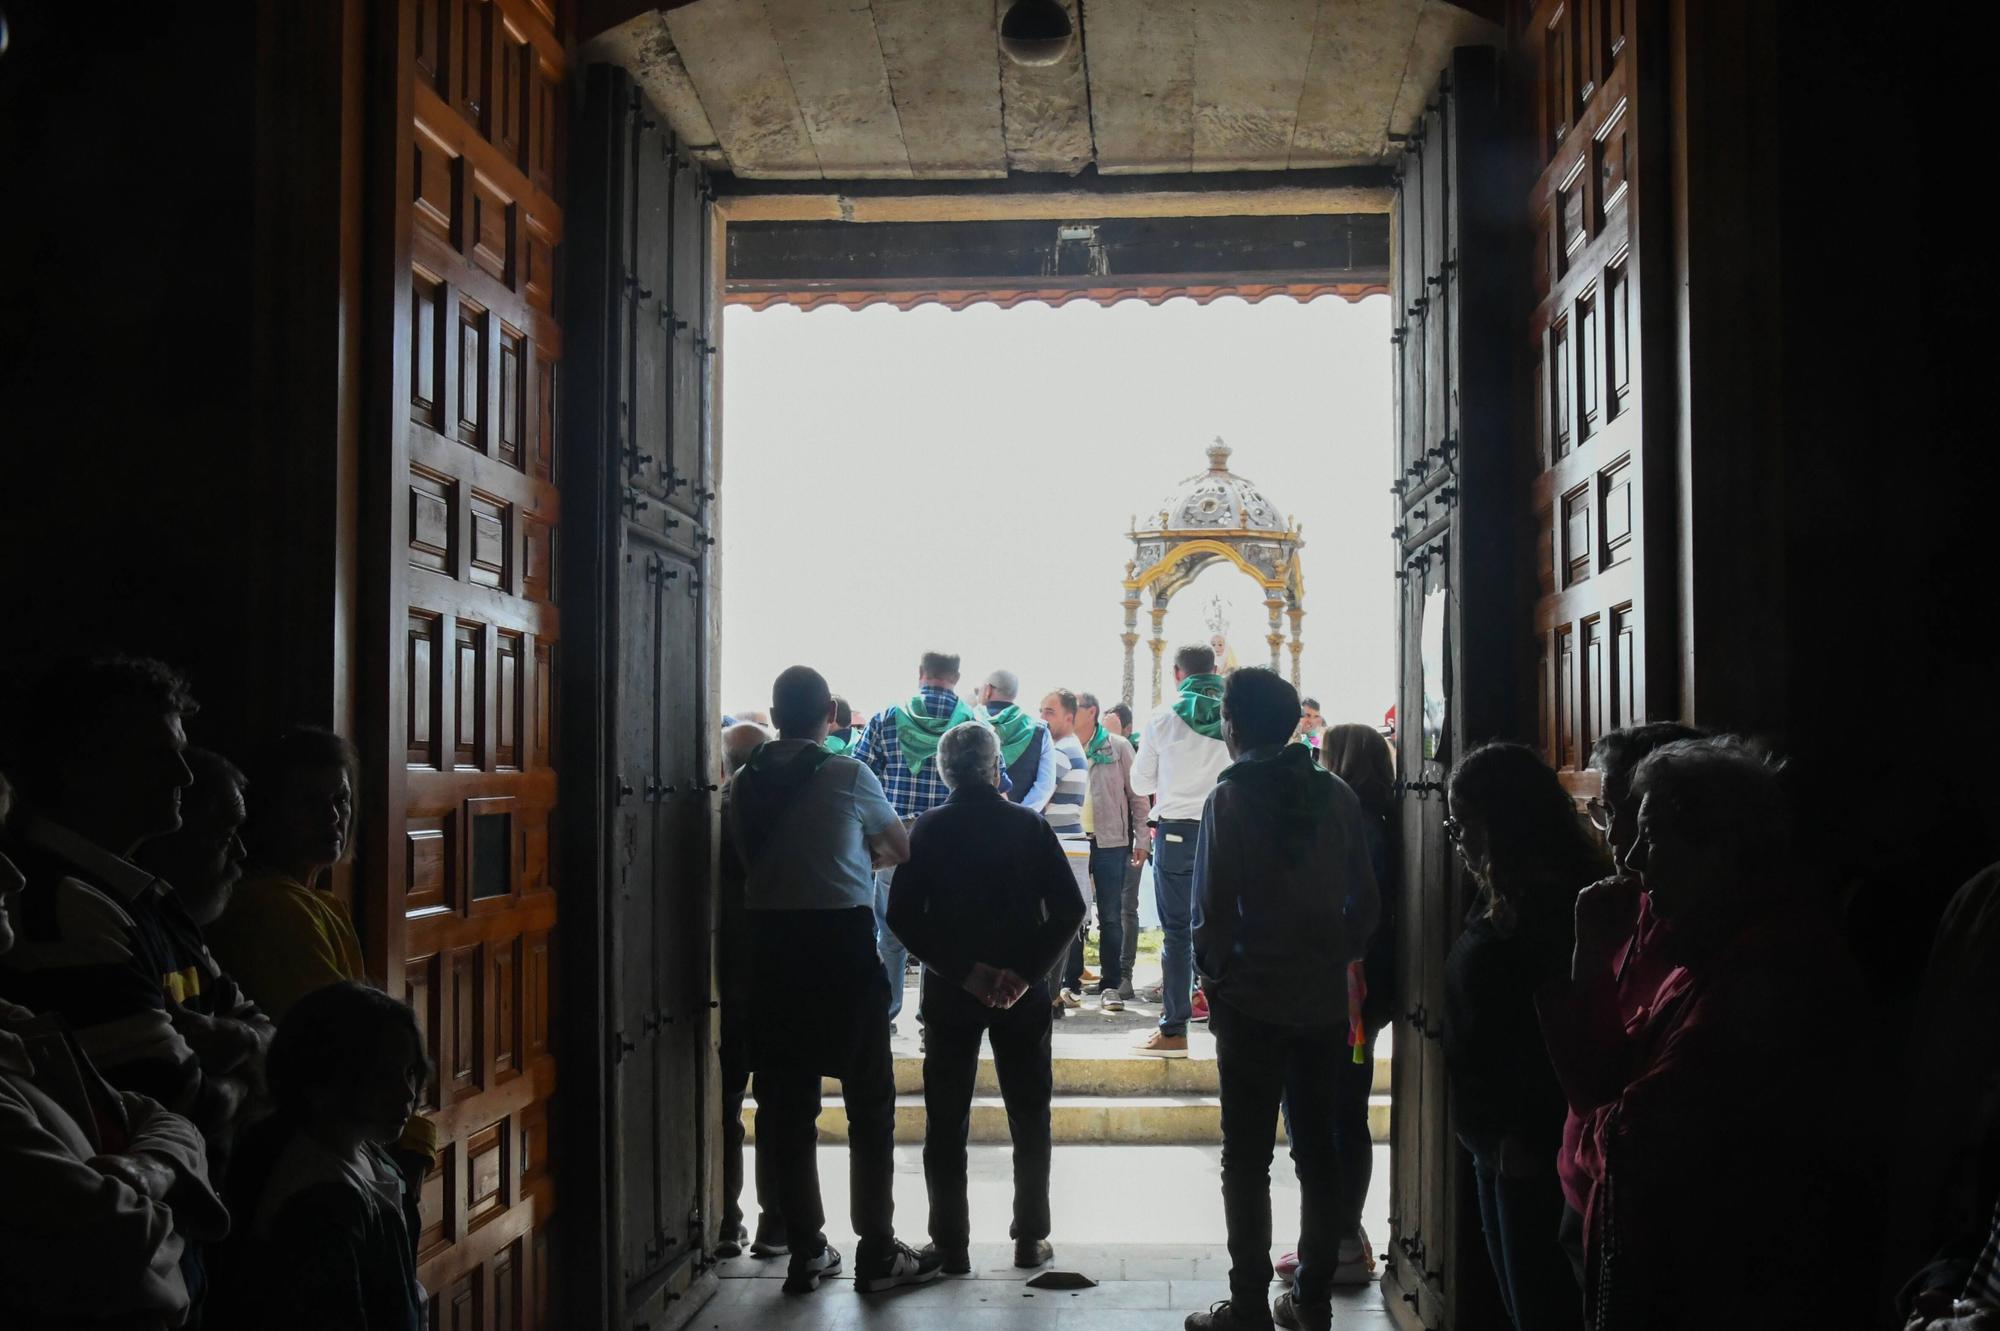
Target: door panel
641, 442
461, 910
1456, 555
1594, 475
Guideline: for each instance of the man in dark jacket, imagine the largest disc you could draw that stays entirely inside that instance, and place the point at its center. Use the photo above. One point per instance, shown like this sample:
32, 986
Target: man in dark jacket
989, 903
1286, 897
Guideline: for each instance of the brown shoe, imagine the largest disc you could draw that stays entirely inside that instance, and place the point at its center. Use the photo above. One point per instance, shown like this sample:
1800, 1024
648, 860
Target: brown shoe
1163, 1046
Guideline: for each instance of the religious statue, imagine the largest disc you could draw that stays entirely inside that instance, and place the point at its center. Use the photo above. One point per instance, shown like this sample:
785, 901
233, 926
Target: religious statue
1218, 636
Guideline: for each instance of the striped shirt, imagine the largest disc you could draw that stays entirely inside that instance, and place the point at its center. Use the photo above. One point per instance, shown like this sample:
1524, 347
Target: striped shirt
1065, 808
912, 793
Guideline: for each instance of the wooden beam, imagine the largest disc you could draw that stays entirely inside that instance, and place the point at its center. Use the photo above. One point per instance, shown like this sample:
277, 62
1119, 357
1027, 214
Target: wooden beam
1249, 69
946, 85
1108, 252
1045, 109
1366, 189
1142, 85
1352, 78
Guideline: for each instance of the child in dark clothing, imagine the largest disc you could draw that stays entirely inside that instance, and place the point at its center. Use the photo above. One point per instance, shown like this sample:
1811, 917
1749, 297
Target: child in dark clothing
327, 1227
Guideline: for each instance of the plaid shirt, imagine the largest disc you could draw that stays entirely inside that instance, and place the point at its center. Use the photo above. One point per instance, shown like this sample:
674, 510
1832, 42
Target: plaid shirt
915, 792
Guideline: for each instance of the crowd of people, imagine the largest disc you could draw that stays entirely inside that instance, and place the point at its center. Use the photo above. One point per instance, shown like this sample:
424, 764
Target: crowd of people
207, 1113
1667, 1071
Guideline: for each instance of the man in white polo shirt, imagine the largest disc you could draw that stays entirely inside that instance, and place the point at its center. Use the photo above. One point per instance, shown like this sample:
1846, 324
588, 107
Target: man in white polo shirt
1181, 756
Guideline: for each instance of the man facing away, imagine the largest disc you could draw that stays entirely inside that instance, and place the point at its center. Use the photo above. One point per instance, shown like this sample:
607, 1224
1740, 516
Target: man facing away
810, 829
1118, 720
1027, 752
1287, 897
841, 738
1181, 754
1114, 821
988, 901
899, 745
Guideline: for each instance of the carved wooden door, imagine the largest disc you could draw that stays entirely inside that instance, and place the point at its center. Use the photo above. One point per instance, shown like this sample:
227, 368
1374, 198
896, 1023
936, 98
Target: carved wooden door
642, 451
1599, 127
466, 142
1456, 498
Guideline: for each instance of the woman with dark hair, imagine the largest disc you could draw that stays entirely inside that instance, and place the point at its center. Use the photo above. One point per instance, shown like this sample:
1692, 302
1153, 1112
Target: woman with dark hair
1519, 835
1744, 1088
326, 1225
284, 934
1359, 756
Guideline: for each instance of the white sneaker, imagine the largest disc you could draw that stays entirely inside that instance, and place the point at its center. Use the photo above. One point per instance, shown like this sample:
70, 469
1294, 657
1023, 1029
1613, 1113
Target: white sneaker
1070, 998
1357, 1261
1109, 1000
805, 1273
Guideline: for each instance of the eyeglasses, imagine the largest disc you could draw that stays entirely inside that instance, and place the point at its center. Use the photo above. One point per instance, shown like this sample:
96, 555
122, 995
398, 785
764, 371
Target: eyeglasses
1602, 813
1454, 831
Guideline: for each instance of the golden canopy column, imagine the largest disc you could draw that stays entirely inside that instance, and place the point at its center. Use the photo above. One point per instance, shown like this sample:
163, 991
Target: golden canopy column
1131, 640
1276, 637
1159, 646
1297, 614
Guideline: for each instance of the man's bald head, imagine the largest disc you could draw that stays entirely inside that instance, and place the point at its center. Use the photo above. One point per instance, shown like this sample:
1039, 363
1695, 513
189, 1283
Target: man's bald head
739, 742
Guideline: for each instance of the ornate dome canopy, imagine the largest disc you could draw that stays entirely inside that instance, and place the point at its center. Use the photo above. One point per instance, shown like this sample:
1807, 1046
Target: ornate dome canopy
1216, 500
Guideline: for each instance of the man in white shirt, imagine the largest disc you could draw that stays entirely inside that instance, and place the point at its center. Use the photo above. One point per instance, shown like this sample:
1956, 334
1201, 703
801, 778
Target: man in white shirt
1181, 756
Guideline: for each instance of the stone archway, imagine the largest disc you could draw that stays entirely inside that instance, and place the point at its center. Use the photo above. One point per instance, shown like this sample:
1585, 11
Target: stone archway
1213, 516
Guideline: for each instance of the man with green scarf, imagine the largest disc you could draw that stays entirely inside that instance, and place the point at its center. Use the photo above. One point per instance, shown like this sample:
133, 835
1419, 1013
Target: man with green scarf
1285, 891
900, 746
1027, 756
1181, 755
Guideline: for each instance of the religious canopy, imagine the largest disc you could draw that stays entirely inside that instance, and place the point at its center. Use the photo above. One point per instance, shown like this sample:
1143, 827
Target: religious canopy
1213, 515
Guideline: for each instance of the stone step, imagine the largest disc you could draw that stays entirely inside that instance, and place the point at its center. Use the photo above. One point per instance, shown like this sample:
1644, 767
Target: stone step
1162, 1119
1119, 1074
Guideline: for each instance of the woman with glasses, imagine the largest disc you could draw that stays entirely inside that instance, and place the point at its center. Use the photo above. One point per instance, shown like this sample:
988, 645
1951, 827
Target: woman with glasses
1745, 1098
1517, 831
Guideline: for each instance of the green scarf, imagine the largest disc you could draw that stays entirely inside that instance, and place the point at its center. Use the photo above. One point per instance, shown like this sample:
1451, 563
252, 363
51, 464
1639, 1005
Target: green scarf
1200, 704
918, 732
835, 745
1289, 783
1015, 728
1099, 748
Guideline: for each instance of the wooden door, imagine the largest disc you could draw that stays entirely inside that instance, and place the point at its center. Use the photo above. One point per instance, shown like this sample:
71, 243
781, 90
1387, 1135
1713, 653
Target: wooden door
641, 469
1458, 575
1598, 127
466, 142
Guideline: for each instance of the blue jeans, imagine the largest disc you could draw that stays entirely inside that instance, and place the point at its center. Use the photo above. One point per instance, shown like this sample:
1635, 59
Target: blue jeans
1522, 1220
1173, 891
1107, 884
895, 957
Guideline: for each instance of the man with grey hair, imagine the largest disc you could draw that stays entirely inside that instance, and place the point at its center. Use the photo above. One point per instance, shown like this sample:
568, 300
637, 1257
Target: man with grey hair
739, 742
988, 903
1026, 753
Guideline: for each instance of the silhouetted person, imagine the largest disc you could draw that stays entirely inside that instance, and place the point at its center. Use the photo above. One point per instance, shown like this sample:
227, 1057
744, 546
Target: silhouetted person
201, 863
1640, 967
1114, 818
988, 902
733, 970
1736, 1094
1518, 833
812, 829
1286, 897
105, 1189
1359, 756
326, 1225
103, 774
285, 934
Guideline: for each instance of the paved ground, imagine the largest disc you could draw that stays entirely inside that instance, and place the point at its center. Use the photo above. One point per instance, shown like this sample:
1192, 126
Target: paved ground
1143, 1221
1083, 1032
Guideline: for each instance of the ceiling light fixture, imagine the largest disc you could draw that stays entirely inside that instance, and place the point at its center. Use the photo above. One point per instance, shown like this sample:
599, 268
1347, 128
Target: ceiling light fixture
1036, 32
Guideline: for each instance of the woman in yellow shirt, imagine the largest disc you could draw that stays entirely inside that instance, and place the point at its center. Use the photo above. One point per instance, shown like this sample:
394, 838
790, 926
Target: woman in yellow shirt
282, 937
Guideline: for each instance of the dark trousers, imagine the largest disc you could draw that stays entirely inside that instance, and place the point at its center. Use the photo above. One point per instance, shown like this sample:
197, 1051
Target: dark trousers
1353, 1143
736, 1085
1107, 884
1522, 1218
1262, 1064
1128, 956
1021, 1053
820, 1005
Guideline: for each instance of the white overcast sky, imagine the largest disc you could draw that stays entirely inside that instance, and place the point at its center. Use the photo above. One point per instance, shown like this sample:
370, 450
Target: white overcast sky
896, 481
